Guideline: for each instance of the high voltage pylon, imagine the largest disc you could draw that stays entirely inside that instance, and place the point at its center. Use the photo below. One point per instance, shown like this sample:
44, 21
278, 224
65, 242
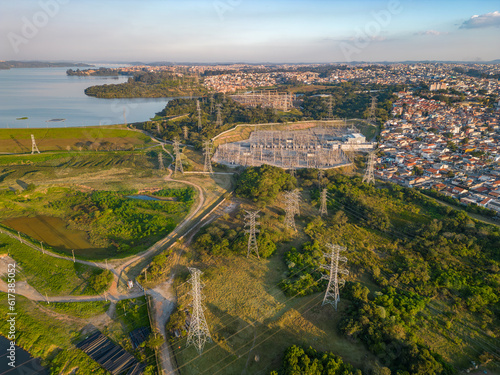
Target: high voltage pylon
198, 109
332, 295
33, 145
198, 329
373, 107
369, 178
218, 122
177, 154
207, 151
252, 230
323, 200
211, 103
160, 161
296, 201
185, 131
290, 209
321, 174
330, 107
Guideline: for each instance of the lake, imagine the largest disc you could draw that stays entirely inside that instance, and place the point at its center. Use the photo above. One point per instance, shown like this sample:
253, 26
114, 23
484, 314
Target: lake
25, 364
44, 94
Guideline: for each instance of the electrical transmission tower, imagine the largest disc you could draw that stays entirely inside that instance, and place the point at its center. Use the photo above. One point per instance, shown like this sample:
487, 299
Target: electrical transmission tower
185, 130
369, 178
332, 295
211, 103
207, 147
160, 161
330, 107
198, 328
177, 154
218, 122
252, 238
373, 107
33, 145
296, 201
290, 209
323, 199
198, 109
292, 171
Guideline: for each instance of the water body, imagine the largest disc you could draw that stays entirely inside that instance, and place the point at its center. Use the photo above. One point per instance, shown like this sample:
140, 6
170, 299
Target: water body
143, 197
50, 98
25, 364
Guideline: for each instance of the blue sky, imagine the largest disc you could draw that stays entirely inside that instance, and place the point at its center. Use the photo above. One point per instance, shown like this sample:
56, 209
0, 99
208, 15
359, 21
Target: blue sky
249, 30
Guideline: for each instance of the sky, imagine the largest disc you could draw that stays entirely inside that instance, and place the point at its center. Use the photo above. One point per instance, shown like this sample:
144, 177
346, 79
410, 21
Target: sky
253, 31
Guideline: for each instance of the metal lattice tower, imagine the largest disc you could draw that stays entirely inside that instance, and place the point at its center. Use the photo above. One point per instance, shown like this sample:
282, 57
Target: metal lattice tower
369, 178
330, 107
321, 174
160, 161
198, 333
185, 130
198, 109
177, 154
252, 238
290, 210
218, 122
332, 295
296, 201
33, 145
211, 103
373, 107
207, 151
323, 199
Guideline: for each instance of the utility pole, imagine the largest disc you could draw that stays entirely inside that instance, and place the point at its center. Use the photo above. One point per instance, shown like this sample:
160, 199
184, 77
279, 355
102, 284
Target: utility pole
252, 239
290, 210
160, 161
323, 199
369, 178
207, 147
73, 252
332, 295
33, 145
218, 122
198, 109
178, 161
198, 329
41, 245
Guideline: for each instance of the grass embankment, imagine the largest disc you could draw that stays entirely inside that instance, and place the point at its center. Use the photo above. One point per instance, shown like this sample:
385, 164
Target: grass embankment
116, 137
82, 310
50, 275
50, 338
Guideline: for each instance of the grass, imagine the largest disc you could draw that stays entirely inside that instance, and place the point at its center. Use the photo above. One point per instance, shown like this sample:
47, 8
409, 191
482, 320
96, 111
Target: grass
116, 137
54, 276
79, 309
49, 338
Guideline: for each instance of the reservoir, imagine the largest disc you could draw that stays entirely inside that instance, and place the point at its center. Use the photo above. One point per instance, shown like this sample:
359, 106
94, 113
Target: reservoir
25, 364
47, 97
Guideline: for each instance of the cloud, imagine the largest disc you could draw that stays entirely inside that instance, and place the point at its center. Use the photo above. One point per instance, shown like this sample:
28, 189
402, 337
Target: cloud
484, 20
431, 33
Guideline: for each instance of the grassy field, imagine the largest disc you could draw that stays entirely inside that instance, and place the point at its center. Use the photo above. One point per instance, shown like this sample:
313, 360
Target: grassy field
116, 137
252, 322
53, 276
79, 309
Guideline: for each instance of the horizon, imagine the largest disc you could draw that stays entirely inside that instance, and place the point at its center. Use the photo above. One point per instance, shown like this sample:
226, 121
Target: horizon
257, 32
